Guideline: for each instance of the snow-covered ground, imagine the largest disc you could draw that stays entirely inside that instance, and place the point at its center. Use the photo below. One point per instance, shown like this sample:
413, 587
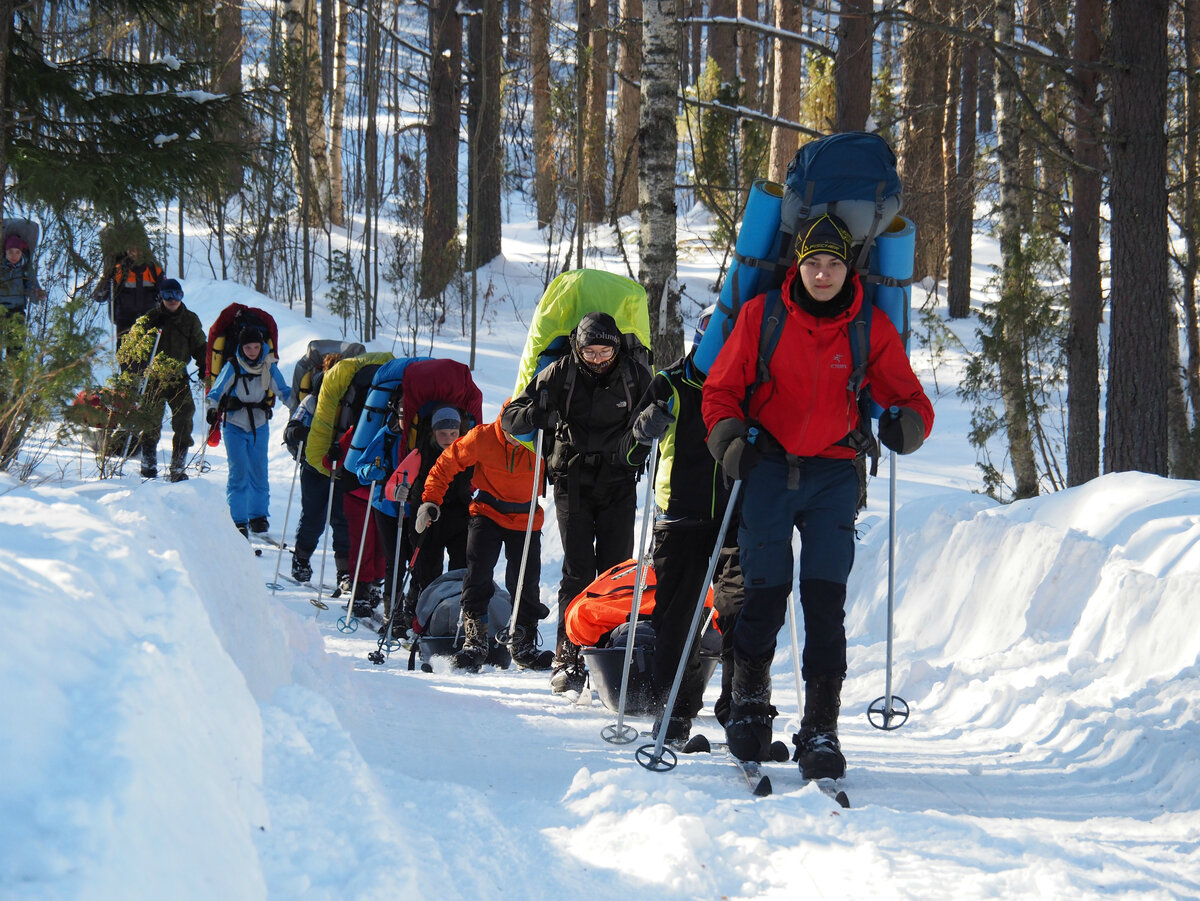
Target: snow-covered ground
173, 729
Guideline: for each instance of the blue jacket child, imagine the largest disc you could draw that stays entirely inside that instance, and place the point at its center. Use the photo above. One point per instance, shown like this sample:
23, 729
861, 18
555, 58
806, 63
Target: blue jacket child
243, 394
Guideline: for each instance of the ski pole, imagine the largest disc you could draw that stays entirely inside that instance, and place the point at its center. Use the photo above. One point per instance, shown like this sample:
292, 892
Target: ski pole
141, 392
882, 711
349, 622
274, 583
509, 636
618, 733
651, 756
391, 606
386, 644
317, 602
791, 603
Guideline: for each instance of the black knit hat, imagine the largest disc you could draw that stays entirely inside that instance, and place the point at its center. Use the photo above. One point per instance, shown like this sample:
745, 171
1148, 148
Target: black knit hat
824, 234
597, 328
250, 335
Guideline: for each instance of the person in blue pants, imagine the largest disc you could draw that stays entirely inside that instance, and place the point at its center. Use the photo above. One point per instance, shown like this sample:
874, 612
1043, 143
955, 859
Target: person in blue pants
244, 394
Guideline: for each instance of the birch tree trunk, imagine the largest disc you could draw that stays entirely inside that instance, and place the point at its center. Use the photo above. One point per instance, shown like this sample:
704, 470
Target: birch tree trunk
337, 114
1086, 302
1011, 322
544, 162
785, 103
657, 150
1191, 203
1135, 427
306, 108
629, 68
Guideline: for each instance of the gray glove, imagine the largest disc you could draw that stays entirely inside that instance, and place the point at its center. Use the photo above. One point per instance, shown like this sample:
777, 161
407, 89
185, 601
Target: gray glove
427, 513
651, 424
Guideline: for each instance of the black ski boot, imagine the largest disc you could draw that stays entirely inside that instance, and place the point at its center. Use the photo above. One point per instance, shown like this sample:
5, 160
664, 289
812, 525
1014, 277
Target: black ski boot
818, 750
179, 465
474, 652
301, 566
243, 528
568, 672
748, 729
721, 707
679, 728
525, 653
149, 463
259, 524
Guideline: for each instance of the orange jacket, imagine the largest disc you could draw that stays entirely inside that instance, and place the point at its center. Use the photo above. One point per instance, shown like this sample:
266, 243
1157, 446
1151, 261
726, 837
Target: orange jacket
503, 472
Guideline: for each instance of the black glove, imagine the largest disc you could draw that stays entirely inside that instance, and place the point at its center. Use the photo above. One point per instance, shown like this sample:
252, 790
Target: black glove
335, 452
543, 419
651, 424
901, 429
728, 444
210, 415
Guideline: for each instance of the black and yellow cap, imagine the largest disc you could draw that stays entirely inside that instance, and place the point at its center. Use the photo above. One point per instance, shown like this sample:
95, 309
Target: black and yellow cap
824, 234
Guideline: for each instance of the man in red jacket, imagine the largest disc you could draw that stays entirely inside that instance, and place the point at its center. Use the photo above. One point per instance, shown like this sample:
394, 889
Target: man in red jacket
792, 440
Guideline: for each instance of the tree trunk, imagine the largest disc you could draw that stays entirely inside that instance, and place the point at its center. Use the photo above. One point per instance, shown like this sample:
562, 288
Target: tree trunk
748, 41
1135, 432
305, 107
961, 222
922, 172
544, 164
785, 103
1191, 202
1009, 310
227, 69
722, 39
337, 114
657, 148
483, 133
595, 135
852, 65
512, 28
372, 76
439, 248
1086, 302
629, 68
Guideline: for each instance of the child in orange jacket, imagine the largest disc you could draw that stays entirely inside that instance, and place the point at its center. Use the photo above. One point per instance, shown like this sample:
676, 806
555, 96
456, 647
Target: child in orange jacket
499, 519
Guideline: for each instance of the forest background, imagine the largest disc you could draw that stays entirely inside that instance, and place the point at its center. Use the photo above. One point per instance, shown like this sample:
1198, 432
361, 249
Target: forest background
366, 155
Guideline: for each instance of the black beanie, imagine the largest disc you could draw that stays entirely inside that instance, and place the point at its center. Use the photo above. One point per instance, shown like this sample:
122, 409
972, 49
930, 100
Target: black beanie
824, 234
597, 328
250, 335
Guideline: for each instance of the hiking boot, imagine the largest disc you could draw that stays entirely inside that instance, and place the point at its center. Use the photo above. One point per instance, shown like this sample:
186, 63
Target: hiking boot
679, 728
178, 465
721, 706
525, 653
149, 472
375, 592
259, 524
474, 652
301, 568
241, 527
567, 671
361, 609
345, 581
748, 729
818, 751
149, 463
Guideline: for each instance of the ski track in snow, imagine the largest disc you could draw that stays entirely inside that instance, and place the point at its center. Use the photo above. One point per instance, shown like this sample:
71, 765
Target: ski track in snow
174, 730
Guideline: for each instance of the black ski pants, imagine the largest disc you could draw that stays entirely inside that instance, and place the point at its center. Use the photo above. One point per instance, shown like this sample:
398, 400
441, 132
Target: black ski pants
596, 533
314, 497
485, 538
443, 540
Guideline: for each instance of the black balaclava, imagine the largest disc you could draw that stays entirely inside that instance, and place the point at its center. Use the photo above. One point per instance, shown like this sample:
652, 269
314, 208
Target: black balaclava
597, 328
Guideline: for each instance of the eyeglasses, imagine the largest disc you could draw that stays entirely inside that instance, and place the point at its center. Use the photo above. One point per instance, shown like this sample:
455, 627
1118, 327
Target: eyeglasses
599, 353
171, 295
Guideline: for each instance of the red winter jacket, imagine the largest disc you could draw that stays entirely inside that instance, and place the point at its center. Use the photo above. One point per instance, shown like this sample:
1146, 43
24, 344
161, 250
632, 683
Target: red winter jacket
807, 405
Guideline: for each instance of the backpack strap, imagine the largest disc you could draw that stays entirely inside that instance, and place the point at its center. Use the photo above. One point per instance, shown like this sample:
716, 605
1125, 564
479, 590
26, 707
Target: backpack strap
862, 439
774, 314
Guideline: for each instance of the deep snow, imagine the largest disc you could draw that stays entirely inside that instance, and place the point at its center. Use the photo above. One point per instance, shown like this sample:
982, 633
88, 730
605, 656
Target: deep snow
174, 729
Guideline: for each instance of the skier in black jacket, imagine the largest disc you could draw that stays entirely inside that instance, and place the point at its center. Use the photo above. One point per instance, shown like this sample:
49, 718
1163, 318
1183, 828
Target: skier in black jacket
691, 493
584, 402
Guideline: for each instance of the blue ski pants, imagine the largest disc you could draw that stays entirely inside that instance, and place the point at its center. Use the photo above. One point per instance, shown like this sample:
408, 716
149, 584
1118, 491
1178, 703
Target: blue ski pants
246, 488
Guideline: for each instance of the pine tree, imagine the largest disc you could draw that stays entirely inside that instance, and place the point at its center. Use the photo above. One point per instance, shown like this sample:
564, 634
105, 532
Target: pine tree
114, 133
